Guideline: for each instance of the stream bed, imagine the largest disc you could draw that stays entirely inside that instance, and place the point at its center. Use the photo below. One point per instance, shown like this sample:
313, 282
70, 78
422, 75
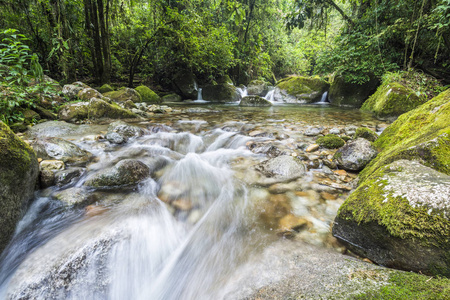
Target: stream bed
205, 221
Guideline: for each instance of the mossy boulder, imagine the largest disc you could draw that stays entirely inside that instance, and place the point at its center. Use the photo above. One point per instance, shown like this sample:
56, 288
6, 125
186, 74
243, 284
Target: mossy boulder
254, 101
171, 98
399, 217
19, 171
422, 134
366, 133
349, 94
221, 93
300, 89
88, 93
391, 100
330, 141
148, 95
106, 88
123, 95
257, 87
94, 109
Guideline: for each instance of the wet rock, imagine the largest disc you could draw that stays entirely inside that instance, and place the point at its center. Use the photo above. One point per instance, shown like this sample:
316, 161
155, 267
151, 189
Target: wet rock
221, 93
289, 224
88, 93
344, 93
120, 132
257, 87
159, 128
282, 168
264, 148
94, 109
52, 165
355, 155
75, 196
313, 131
365, 133
274, 209
350, 130
123, 95
335, 131
312, 148
299, 89
46, 178
60, 149
127, 172
254, 101
399, 217
329, 163
185, 84
68, 176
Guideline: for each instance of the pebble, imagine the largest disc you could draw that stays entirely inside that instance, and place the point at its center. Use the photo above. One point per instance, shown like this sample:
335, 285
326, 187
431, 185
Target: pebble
312, 148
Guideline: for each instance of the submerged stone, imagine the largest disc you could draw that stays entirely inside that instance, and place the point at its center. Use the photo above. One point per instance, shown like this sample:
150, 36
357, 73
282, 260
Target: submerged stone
282, 168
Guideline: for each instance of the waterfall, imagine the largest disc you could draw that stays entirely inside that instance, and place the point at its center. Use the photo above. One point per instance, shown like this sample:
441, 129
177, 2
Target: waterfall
270, 95
242, 91
199, 94
323, 100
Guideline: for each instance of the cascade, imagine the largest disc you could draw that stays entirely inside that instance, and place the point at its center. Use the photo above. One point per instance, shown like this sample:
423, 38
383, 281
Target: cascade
324, 98
270, 95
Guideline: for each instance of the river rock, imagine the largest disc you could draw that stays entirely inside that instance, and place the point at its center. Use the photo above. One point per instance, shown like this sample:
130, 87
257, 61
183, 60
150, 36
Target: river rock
313, 131
68, 176
71, 90
19, 171
172, 98
105, 88
349, 94
119, 132
391, 100
127, 172
254, 101
147, 95
400, 217
52, 165
257, 87
123, 95
355, 155
366, 133
94, 109
88, 93
60, 149
221, 93
299, 89
282, 168
75, 196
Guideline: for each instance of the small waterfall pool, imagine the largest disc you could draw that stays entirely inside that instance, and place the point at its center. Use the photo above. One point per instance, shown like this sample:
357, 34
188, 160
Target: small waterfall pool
183, 232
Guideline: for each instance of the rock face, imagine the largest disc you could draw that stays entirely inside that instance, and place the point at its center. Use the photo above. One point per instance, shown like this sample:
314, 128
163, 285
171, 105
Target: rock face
391, 100
254, 101
350, 94
148, 95
399, 217
257, 87
123, 95
19, 170
399, 214
95, 109
127, 172
60, 149
298, 89
221, 93
355, 155
184, 83
282, 168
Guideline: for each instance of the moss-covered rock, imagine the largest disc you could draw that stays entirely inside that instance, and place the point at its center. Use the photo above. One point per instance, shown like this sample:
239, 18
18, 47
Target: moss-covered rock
106, 88
391, 100
171, 98
300, 89
88, 93
94, 109
123, 95
344, 93
148, 95
254, 101
330, 141
399, 217
257, 87
422, 134
19, 170
365, 133
221, 93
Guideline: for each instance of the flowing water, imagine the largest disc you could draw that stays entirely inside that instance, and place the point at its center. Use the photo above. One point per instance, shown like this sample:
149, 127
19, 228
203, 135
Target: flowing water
183, 232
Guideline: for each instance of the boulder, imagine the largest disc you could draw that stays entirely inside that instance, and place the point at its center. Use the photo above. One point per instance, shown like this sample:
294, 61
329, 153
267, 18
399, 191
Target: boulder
148, 95
254, 101
355, 155
349, 94
94, 109
88, 93
283, 168
60, 149
184, 84
299, 89
171, 98
257, 87
105, 89
19, 171
119, 132
391, 100
221, 93
71, 90
400, 217
123, 95
127, 172
75, 196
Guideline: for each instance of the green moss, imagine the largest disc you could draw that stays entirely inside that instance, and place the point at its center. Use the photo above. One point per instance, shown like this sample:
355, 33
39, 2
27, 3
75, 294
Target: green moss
371, 202
148, 95
402, 285
330, 141
422, 134
365, 133
297, 85
391, 100
105, 88
123, 95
